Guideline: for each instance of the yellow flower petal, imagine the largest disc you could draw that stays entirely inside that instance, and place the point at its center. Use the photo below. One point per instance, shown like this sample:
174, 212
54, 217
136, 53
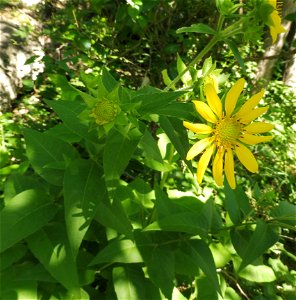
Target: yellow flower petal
232, 96
213, 100
251, 139
218, 167
253, 114
198, 128
204, 110
246, 157
229, 168
250, 104
203, 163
276, 28
258, 127
198, 148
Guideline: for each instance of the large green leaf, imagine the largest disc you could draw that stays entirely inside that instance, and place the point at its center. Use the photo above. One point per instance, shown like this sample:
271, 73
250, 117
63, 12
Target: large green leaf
177, 134
130, 284
236, 203
12, 255
261, 240
121, 251
199, 251
69, 112
284, 213
83, 189
150, 101
178, 110
16, 287
51, 247
48, 155
23, 215
118, 150
114, 216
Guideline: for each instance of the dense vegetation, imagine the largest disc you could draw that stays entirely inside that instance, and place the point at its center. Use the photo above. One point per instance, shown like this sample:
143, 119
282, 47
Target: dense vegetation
98, 200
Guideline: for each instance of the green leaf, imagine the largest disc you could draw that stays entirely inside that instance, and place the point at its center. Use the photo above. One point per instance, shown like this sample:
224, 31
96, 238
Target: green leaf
149, 146
151, 100
236, 203
114, 216
23, 215
109, 81
259, 274
118, 151
178, 110
17, 183
161, 259
69, 112
205, 289
83, 190
198, 28
233, 47
51, 247
68, 91
261, 240
186, 78
130, 283
207, 65
12, 255
43, 149
179, 222
285, 213
166, 79
123, 251
199, 251
177, 134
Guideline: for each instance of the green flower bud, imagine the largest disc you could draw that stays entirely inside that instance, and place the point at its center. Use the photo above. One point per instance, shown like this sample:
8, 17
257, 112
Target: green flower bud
104, 111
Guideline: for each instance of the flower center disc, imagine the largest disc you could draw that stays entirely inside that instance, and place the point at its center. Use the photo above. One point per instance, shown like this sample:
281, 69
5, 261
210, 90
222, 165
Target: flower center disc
227, 131
104, 112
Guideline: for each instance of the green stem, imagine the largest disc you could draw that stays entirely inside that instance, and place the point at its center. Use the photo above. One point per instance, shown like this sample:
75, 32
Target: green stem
204, 51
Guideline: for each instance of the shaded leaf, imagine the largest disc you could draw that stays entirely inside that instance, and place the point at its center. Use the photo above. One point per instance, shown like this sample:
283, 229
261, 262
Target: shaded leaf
42, 150
23, 215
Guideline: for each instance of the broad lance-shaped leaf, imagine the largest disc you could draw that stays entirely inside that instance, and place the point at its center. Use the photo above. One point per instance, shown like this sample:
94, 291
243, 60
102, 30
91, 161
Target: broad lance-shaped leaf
118, 150
130, 283
233, 47
84, 188
177, 134
262, 239
199, 251
45, 152
151, 100
69, 112
51, 247
23, 215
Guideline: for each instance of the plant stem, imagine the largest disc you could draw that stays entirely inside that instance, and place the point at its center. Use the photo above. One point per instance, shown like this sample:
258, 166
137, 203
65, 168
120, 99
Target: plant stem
204, 51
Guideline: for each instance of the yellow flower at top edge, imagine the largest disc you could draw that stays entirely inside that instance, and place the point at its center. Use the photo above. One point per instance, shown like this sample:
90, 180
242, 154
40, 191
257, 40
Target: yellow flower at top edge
274, 21
227, 133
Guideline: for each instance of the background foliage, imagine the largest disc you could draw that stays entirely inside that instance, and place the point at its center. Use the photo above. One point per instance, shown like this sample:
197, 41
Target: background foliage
114, 211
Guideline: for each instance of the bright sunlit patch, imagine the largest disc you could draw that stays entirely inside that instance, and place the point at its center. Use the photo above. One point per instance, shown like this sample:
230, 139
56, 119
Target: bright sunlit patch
227, 132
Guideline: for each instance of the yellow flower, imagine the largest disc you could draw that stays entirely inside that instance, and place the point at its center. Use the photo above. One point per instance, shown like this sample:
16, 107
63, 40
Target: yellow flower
228, 132
274, 21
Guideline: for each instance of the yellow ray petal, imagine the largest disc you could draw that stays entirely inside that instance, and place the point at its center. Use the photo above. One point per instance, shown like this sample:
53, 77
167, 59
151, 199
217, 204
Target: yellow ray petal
253, 114
246, 157
229, 168
250, 104
232, 96
258, 127
198, 128
204, 110
251, 139
213, 100
198, 148
218, 167
276, 28
203, 163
